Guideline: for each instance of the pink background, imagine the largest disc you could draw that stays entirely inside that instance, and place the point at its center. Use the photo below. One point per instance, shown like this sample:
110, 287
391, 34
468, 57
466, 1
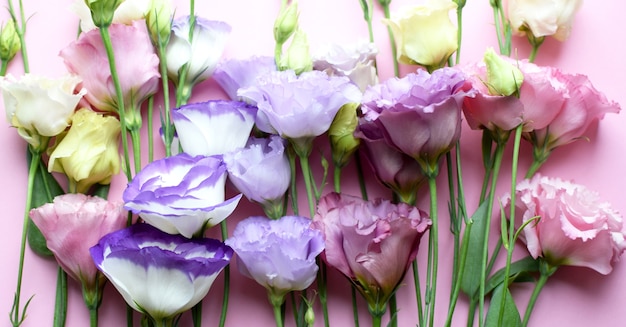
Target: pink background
573, 297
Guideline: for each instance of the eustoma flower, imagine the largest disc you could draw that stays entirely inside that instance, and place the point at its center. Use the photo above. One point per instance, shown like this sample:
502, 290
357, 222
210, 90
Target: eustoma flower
356, 61
213, 127
299, 108
25, 98
137, 66
181, 194
261, 172
419, 114
127, 12
234, 74
575, 228
372, 243
542, 18
277, 254
88, 153
159, 274
72, 224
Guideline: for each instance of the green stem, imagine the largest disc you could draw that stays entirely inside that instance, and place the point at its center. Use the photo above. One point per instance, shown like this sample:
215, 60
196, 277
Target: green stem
93, 317
16, 317
433, 255
418, 293
168, 133
150, 131
135, 137
459, 31
543, 278
294, 186
392, 41
337, 179
511, 226
534, 167
277, 303
3, 68
376, 320
108, 46
485, 247
459, 277
355, 308
226, 295
60, 303
393, 311
360, 176
20, 29
322, 290
306, 175
165, 322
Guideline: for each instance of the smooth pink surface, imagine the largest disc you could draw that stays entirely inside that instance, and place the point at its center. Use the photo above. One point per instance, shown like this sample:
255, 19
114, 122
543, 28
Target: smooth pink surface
573, 296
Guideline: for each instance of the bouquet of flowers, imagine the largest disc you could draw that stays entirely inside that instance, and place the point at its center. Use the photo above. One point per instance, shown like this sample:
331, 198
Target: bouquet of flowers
416, 176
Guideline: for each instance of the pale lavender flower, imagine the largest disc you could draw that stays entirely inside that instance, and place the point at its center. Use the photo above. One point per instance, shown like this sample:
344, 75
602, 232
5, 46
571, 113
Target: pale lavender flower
356, 61
213, 127
261, 172
159, 274
234, 74
181, 194
302, 107
277, 254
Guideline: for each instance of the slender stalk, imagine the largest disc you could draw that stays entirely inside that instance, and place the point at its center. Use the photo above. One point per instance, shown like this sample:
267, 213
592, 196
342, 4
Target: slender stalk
306, 172
3, 68
167, 124
93, 317
16, 317
393, 311
541, 282
150, 131
359, 172
418, 293
277, 303
392, 41
278, 316
60, 303
376, 320
135, 137
226, 295
20, 29
431, 279
459, 30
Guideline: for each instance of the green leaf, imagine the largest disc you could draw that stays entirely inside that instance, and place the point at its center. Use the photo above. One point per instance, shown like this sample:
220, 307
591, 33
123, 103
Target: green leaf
60, 308
510, 316
518, 271
473, 267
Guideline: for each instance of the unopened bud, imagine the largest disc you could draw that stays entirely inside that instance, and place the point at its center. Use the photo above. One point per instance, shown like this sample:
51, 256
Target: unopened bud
298, 58
102, 11
286, 23
341, 134
503, 78
159, 21
9, 41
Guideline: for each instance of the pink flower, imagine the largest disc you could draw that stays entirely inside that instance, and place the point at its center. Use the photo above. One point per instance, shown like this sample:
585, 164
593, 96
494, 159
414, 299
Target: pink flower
71, 225
372, 243
137, 65
575, 228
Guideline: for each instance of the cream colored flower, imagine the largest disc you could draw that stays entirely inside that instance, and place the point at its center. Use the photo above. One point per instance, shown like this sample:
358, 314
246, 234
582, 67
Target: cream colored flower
39, 106
127, 12
424, 34
542, 18
88, 154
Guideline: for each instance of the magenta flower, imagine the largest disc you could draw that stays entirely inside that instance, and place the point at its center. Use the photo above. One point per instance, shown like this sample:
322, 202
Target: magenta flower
575, 228
72, 224
372, 243
261, 172
181, 194
299, 108
419, 114
159, 274
213, 127
234, 74
278, 254
137, 66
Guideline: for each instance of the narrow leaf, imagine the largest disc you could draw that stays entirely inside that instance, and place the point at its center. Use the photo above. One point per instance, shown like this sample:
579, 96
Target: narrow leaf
473, 267
510, 316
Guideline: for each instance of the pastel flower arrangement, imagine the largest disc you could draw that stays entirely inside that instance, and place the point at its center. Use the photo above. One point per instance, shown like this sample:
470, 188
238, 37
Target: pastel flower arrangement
282, 139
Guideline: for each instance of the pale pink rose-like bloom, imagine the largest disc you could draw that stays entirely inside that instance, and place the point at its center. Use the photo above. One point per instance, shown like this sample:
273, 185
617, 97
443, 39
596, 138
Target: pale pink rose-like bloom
356, 61
542, 18
73, 223
137, 65
575, 228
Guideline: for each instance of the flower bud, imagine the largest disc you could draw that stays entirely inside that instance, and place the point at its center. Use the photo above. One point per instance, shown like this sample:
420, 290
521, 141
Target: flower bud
309, 316
286, 23
503, 78
298, 57
159, 21
341, 134
102, 11
9, 41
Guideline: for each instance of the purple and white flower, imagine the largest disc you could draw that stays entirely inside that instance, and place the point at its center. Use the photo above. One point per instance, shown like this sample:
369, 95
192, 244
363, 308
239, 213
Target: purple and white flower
261, 171
234, 74
213, 127
181, 194
159, 274
277, 254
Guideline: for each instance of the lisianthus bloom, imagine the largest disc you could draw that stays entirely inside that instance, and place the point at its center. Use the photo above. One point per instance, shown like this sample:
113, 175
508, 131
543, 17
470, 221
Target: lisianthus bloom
88, 154
394, 169
542, 18
233, 74
72, 224
159, 274
137, 66
181, 194
278, 254
261, 172
370, 242
419, 114
39, 106
424, 34
575, 228
213, 127
356, 61
126, 12
201, 54
299, 108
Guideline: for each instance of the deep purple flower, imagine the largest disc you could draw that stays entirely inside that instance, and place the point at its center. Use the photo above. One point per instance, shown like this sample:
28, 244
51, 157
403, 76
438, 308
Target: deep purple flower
261, 172
372, 243
160, 274
301, 107
213, 127
181, 194
278, 254
234, 74
419, 114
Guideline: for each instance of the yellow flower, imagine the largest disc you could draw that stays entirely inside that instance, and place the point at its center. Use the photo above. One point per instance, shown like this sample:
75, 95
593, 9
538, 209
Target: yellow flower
424, 34
88, 153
